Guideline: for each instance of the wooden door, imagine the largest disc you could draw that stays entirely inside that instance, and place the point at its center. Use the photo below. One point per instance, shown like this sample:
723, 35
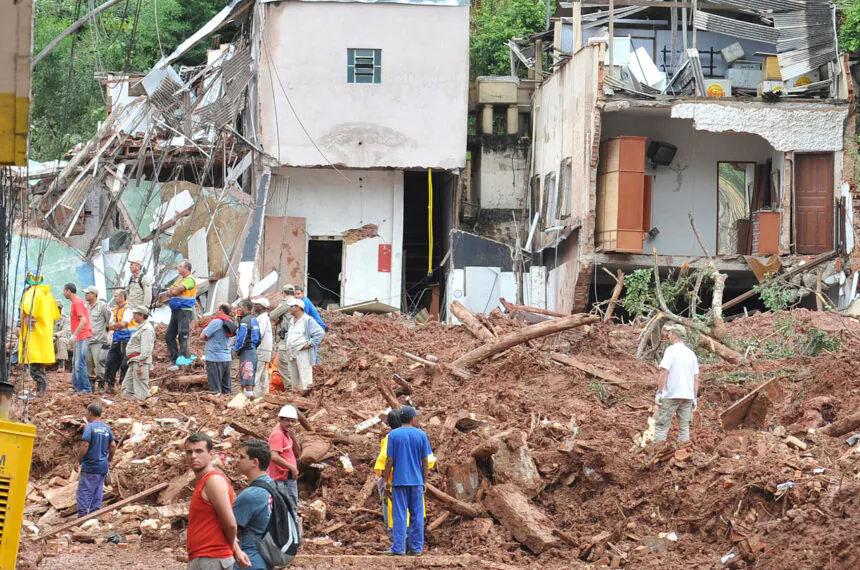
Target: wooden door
813, 202
285, 246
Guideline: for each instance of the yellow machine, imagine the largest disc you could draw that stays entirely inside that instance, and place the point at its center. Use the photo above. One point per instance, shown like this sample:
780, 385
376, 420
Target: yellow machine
16, 450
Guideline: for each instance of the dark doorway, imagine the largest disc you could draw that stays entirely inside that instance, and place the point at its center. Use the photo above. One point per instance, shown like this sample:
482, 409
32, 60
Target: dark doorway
324, 267
420, 282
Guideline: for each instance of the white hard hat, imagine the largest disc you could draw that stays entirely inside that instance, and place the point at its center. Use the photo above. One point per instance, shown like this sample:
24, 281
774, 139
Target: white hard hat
288, 411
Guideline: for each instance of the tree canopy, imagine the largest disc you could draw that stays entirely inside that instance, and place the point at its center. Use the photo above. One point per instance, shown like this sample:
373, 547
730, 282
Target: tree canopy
493, 24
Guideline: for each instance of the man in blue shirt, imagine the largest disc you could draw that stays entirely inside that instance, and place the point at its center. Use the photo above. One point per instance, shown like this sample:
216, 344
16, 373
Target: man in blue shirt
218, 357
408, 452
253, 506
95, 450
310, 309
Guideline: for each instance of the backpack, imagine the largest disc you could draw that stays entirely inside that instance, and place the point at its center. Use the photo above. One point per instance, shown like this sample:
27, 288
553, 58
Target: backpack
255, 333
283, 535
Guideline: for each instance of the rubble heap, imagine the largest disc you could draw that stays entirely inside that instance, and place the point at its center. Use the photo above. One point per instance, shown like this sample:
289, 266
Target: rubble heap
541, 464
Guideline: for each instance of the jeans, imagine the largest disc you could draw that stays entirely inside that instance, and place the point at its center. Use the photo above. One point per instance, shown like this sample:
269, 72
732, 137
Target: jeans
116, 362
411, 499
671, 406
179, 327
90, 489
80, 380
290, 489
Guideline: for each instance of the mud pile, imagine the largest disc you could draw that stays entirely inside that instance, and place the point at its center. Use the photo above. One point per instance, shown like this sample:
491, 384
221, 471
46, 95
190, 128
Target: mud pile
545, 455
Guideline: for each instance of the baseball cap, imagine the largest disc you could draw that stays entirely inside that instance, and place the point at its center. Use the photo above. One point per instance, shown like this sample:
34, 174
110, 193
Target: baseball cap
289, 290
262, 301
295, 303
136, 260
92, 289
408, 413
141, 310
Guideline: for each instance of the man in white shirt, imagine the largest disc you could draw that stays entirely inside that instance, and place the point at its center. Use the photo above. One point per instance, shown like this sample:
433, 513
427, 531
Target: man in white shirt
264, 350
677, 386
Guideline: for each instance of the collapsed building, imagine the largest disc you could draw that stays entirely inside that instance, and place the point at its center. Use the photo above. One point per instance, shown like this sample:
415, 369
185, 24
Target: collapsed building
644, 119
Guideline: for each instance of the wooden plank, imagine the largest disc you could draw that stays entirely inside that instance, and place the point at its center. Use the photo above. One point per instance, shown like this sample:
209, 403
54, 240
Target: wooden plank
245, 430
510, 307
734, 415
63, 497
593, 370
100, 512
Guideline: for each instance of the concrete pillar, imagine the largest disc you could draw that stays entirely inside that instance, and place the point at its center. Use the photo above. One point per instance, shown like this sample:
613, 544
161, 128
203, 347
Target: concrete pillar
487, 119
513, 119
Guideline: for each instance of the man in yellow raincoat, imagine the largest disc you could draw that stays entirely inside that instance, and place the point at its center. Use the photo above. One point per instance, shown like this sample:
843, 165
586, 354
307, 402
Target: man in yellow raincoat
394, 422
38, 313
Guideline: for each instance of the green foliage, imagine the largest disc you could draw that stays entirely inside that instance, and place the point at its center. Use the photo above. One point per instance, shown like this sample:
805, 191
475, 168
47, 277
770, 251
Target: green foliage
638, 291
775, 295
123, 39
599, 390
493, 25
849, 32
818, 341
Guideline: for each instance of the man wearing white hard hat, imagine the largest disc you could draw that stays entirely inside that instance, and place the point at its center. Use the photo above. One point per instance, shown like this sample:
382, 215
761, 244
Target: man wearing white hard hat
286, 450
264, 350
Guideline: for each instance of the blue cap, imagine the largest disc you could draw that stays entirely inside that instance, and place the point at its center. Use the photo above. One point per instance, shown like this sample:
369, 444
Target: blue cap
408, 413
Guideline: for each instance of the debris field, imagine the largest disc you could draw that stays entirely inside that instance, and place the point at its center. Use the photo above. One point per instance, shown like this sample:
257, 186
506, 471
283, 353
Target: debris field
540, 455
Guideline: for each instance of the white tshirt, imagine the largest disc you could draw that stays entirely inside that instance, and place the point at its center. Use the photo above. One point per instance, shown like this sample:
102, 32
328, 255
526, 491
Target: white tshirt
683, 366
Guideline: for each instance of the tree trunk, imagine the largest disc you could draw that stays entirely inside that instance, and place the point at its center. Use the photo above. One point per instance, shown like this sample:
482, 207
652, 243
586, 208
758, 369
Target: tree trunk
517, 337
616, 293
717, 302
721, 350
843, 426
471, 322
388, 394
510, 307
470, 510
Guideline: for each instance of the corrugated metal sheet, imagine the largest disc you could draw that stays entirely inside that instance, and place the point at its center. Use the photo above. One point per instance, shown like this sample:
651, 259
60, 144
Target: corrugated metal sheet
279, 193
760, 5
806, 39
735, 28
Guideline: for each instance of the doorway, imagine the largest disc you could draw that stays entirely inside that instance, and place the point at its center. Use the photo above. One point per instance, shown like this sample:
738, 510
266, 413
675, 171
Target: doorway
325, 261
813, 202
735, 188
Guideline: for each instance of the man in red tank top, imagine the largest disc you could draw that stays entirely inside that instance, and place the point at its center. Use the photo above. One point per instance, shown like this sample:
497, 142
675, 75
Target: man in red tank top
212, 542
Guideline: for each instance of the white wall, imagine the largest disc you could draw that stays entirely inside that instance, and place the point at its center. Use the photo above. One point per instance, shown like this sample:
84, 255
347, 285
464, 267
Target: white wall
332, 205
690, 182
502, 178
417, 115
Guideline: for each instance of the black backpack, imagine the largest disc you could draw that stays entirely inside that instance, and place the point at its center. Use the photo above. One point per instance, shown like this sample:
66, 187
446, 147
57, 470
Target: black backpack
284, 534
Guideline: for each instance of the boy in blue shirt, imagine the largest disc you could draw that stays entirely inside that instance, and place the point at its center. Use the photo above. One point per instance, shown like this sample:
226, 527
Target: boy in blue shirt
408, 453
94, 452
253, 506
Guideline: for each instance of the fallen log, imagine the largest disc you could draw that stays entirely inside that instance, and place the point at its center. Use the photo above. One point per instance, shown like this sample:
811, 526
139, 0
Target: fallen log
100, 512
366, 491
526, 522
510, 307
388, 394
440, 520
448, 502
716, 347
245, 430
188, 380
470, 321
843, 426
419, 359
518, 337
593, 370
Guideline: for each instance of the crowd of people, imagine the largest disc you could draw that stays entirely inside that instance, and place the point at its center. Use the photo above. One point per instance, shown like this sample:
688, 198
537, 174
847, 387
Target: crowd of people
111, 346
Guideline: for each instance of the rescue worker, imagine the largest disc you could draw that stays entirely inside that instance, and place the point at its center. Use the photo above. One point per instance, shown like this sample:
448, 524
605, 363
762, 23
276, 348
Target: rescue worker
183, 298
122, 324
280, 317
38, 313
99, 343
139, 285
264, 351
302, 339
139, 354
62, 338
677, 385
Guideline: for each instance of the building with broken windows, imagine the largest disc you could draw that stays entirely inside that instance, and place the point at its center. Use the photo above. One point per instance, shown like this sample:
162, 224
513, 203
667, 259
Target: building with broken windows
280, 160
702, 131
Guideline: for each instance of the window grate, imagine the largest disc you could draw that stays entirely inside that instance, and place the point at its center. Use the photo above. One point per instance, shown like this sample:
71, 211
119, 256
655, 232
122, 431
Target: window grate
364, 65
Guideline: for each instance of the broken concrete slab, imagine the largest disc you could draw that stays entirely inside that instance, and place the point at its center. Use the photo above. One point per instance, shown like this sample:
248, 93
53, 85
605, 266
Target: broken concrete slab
527, 523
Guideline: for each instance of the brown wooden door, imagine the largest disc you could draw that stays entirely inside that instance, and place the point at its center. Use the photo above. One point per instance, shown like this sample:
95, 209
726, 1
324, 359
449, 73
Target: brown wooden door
813, 202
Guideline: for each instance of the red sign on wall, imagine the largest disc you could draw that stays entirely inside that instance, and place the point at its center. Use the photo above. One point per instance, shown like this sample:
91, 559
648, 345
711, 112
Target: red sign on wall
384, 258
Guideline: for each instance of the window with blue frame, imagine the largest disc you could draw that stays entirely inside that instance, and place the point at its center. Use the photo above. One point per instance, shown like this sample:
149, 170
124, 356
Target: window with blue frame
363, 65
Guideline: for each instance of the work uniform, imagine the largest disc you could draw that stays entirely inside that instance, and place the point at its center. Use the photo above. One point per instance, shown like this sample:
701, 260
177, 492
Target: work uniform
62, 339
680, 391
36, 347
97, 350
181, 312
139, 352
300, 363
264, 355
116, 360
94, 467
407, 447
379, 468
140, 291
